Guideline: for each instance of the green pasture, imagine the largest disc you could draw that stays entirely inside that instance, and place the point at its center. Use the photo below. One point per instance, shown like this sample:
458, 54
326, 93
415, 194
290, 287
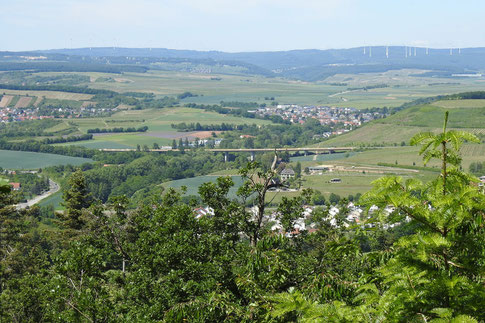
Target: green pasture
453, 104
403, 125
70, 103
97, 144
157, 120
432, 116
193, 184
29, 160
55, 200
50, 94
404, 86
130, 140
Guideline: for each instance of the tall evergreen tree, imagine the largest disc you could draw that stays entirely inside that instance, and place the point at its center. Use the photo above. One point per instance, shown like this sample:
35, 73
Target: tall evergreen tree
76, 198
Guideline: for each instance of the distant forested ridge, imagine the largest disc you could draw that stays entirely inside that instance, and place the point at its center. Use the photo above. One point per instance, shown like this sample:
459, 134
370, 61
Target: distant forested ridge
309, 65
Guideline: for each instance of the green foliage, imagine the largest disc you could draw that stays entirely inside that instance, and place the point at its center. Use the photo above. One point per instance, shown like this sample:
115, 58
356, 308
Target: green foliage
418, 257
76, 198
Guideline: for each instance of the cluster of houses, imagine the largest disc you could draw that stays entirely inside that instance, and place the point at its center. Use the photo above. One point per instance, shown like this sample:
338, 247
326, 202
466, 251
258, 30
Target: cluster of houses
303, 223
15, 114
9, 114
348, 117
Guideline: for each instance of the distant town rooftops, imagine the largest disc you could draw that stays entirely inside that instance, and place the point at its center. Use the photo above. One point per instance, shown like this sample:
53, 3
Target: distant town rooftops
287, 171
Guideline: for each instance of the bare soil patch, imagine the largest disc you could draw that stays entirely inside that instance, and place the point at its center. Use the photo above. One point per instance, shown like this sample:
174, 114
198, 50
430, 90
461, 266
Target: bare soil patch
5, 101
23, 102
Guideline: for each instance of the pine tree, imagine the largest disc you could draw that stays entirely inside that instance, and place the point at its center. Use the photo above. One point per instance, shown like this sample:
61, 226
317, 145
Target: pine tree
76, 198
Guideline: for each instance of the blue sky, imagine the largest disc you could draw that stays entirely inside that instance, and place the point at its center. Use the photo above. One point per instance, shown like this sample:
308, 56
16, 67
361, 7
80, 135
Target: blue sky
245, 25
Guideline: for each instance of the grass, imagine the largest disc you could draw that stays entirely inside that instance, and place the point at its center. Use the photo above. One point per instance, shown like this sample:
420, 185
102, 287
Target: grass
70, 103
130, 140
403, 87
159, 121
50, 94
406, 123
453, 104
193, 184
29, 160
55, 200
97, 144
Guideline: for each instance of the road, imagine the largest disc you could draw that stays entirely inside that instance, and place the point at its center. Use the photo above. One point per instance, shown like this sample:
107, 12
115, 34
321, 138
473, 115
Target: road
53, 188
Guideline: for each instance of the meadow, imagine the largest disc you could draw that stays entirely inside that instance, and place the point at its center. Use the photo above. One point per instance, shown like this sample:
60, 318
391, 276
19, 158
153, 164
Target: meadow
56, 95
29, 160
403, 86
158, 121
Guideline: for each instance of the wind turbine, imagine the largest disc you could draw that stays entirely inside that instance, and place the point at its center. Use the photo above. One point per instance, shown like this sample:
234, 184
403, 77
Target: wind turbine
387, 51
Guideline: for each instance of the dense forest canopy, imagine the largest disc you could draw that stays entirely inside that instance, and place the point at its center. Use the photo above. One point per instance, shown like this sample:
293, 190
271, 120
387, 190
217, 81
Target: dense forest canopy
417, 255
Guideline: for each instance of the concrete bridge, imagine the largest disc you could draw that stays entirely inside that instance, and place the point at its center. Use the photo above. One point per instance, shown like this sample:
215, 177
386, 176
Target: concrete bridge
252, 151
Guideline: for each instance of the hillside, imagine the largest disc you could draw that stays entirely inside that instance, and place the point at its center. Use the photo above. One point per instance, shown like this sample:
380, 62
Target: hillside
307, 65
465, 115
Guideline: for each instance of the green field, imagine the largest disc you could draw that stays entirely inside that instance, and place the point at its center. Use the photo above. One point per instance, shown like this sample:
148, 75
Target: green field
158, 121
54, 199
403, 86
453, 104
50, 94
403, 125
97, 144
30, 160
193, 183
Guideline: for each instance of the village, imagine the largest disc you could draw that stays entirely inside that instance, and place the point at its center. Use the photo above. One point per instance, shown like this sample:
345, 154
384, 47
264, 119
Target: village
338, 119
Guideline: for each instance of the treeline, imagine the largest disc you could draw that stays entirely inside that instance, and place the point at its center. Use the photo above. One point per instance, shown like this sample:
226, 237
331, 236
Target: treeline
280, 135
238, 104
477, 168
70, 67
207, 127
222, 110
39, 147
31, 184
186, 95
118, 129
474, 95
59, 140
32, 128
57, 87
369, 87
137, 178
103, 98
236, 112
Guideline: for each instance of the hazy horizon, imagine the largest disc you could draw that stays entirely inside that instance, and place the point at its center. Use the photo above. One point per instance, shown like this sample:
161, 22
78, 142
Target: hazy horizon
254, 25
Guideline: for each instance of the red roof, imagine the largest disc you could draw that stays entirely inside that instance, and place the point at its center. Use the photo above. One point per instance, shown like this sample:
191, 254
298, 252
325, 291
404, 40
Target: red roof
15, 186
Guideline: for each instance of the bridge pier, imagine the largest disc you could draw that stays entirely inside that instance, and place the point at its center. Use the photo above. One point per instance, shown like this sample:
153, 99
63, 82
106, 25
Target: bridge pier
226, 156
252, 155
306, 152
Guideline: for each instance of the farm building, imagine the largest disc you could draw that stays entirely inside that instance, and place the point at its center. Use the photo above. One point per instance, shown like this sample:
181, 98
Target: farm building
318, 169
335, 180
201, 212
15, 186
287, 173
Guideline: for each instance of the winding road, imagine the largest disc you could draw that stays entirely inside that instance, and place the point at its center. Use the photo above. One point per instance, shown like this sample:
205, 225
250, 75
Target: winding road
53, 188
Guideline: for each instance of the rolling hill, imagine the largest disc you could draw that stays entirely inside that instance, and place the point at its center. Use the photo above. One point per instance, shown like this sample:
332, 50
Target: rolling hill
306, 65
